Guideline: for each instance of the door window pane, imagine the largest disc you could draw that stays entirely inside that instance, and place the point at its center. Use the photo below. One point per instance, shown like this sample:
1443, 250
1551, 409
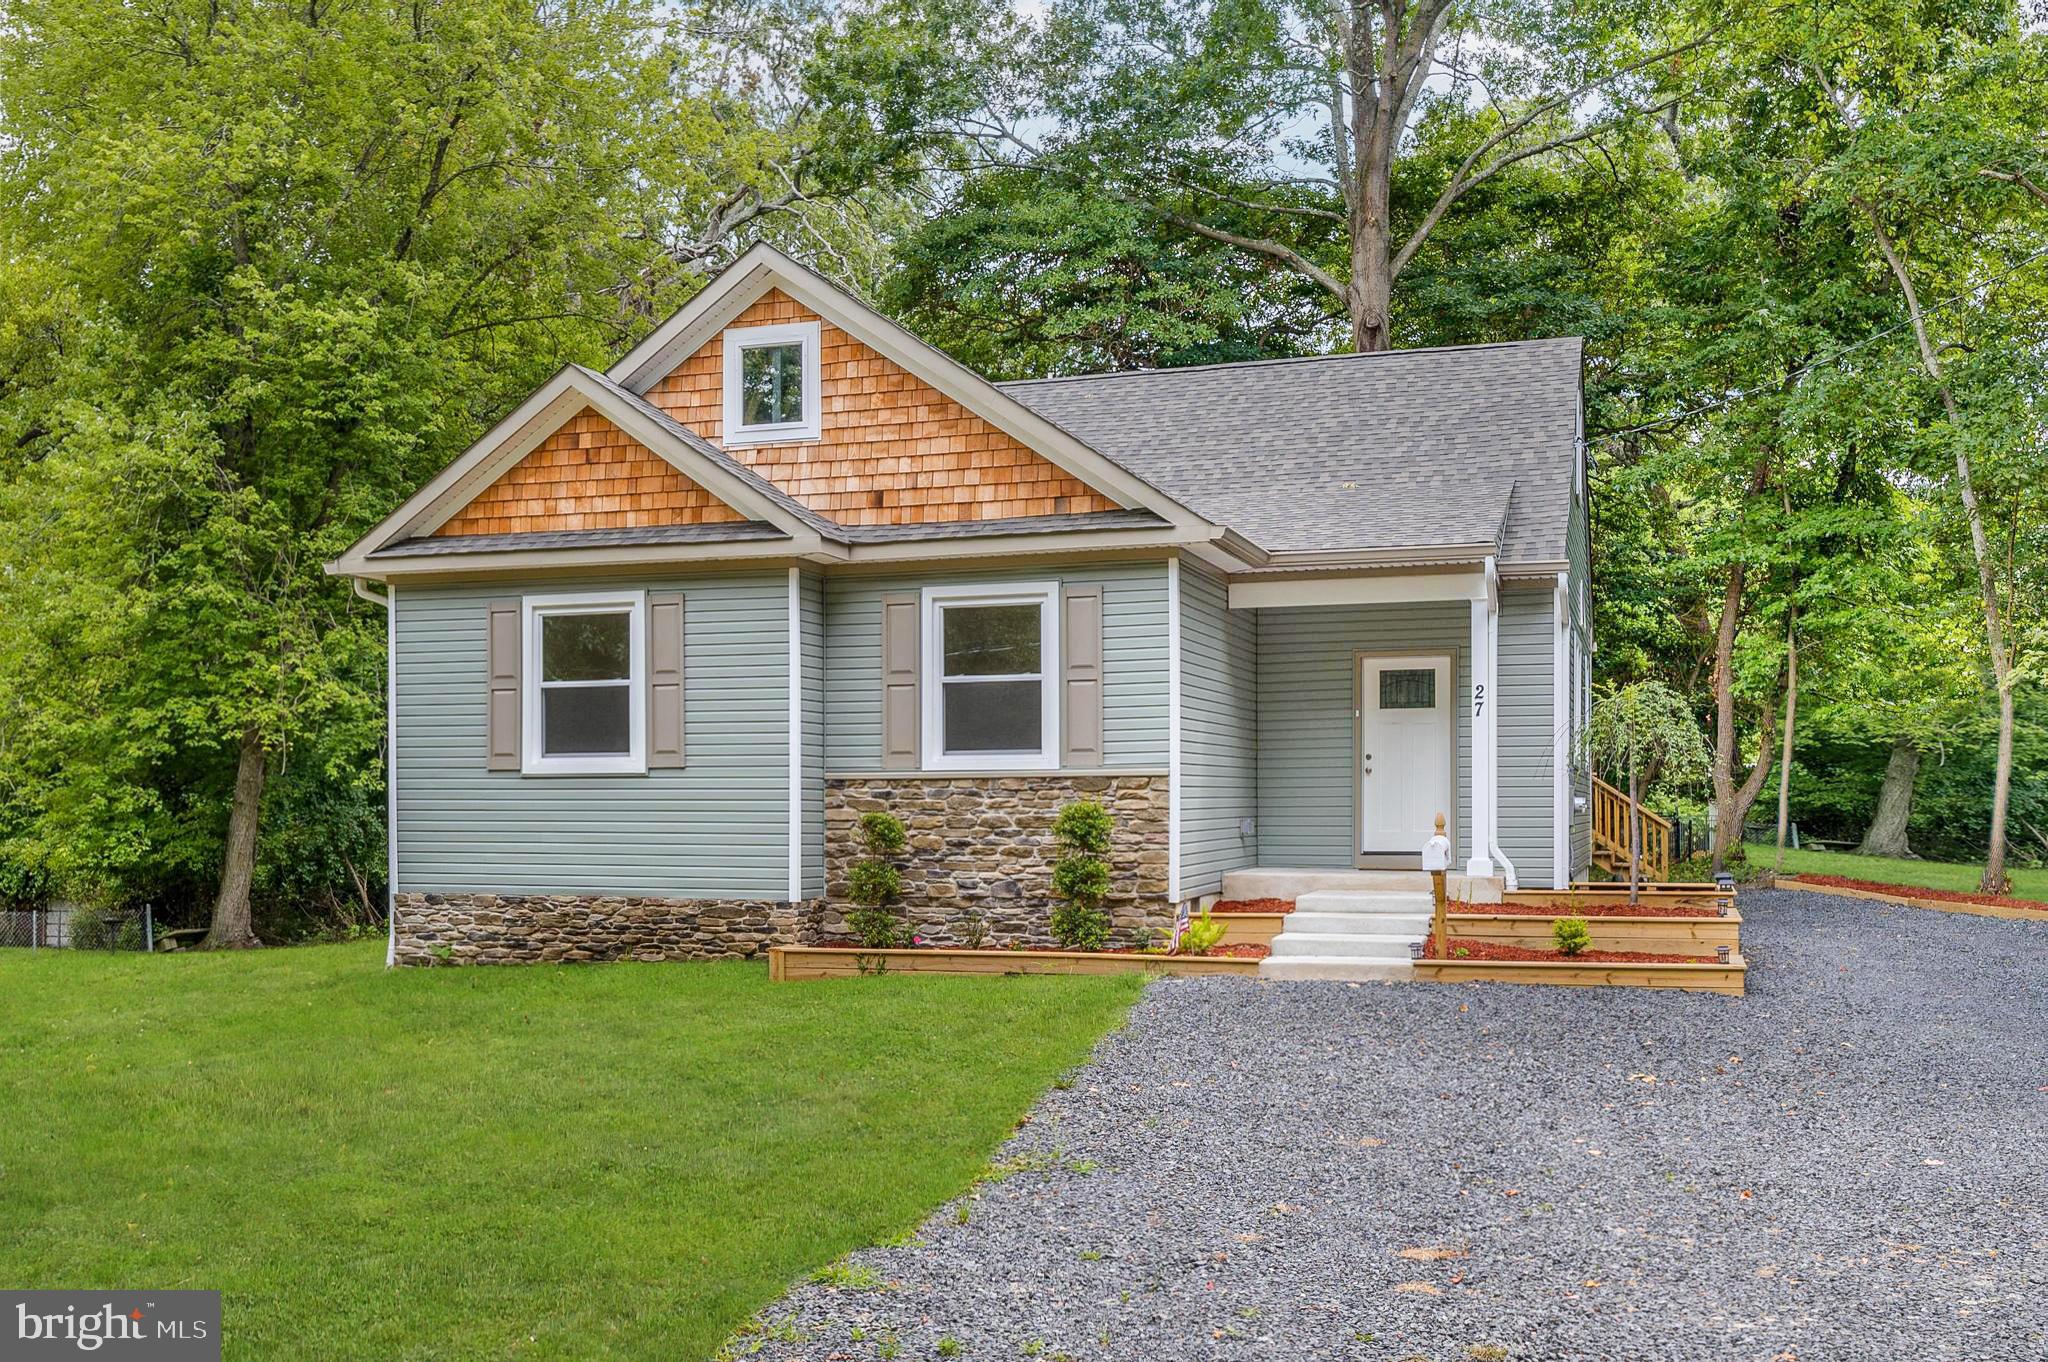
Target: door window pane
586, 647
772, 385
1412, 689
586, 720
991, 640
993, 716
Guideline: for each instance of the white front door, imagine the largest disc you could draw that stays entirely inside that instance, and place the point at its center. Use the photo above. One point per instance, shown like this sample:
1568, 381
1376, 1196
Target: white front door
1404, 753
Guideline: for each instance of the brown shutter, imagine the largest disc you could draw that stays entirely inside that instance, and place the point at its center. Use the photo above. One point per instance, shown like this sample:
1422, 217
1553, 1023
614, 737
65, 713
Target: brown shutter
1081, 676
503, 663
901, 719
665, 678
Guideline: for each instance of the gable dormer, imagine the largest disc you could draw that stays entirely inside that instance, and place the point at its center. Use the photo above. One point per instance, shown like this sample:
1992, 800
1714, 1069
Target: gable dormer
852, 434
588, 475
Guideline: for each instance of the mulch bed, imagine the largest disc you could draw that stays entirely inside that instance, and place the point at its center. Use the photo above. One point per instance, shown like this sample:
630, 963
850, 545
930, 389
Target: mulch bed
1486, 950
1253, 906
1238, 952
1622, 909
1914, 891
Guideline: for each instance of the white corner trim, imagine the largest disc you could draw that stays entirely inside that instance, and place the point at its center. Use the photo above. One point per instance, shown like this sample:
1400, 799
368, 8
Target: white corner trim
1561, 739
736, 340
533, 760
1173, 731
796, 736
932, 663
390, 774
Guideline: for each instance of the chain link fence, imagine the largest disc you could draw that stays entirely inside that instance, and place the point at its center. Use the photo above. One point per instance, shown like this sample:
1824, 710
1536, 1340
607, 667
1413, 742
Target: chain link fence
67, 926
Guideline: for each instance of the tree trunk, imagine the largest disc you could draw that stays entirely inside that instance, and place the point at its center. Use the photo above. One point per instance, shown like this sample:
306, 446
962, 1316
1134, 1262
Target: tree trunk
1887, 834
1994, 880
1753, 784
1791, 716
1724, 718
232, 928
1371, 290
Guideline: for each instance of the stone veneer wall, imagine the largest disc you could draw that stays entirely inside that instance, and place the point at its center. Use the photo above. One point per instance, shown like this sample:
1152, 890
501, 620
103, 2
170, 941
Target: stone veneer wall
495, 929
982, 845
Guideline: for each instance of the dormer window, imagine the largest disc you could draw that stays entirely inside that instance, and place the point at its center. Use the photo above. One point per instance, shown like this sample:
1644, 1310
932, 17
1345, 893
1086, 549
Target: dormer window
771, 383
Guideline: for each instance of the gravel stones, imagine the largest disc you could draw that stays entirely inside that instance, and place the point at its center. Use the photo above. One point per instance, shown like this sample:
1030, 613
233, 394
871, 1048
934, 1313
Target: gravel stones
1845, 1164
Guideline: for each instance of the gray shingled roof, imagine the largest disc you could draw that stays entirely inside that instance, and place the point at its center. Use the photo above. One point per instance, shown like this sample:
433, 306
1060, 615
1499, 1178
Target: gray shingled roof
1403, 449
981, 529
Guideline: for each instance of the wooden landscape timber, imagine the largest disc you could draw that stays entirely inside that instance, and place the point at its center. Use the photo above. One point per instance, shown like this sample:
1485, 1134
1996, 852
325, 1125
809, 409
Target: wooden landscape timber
837, 962
1697, 978
1650, 935
1912, 901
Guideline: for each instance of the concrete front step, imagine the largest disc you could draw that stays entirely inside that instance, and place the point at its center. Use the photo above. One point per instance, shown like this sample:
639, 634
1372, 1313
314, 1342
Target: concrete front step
1345, 945
1333, 901
1292, 884
1409, 926
1352, 968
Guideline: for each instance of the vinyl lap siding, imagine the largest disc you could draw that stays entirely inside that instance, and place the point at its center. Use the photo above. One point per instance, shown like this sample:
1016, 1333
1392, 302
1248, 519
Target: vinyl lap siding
1133, 656
1307, 734
1528, 625
718, 827
1219, 748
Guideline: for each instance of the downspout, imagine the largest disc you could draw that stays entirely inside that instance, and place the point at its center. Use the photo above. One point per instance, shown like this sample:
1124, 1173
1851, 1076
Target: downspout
389, 600
1493, 723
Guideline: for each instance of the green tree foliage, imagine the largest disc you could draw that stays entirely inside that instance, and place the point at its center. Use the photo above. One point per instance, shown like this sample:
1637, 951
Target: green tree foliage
1636, 733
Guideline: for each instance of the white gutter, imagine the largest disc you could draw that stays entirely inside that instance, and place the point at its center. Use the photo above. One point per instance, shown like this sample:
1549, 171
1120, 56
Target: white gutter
389, 600
796, 737
1561, 705
1173, 733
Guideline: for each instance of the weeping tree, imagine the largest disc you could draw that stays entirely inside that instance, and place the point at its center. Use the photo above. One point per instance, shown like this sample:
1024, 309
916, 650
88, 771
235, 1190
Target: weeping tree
1637, 730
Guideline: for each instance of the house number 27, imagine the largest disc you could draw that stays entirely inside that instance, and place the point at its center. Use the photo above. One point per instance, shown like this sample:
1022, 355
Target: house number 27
1478, 699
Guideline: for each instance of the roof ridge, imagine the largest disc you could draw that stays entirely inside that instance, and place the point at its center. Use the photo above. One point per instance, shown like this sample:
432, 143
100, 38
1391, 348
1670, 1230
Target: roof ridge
1276, 361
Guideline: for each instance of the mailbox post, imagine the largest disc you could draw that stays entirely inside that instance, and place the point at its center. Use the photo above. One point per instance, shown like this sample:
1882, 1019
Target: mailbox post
1436, 859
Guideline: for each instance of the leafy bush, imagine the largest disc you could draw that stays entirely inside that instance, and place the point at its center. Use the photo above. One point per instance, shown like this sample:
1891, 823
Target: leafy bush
1080, 878
1202, 935
1080, 928
1571, 935
973, 931
1084, 826
1697, 868
874, 882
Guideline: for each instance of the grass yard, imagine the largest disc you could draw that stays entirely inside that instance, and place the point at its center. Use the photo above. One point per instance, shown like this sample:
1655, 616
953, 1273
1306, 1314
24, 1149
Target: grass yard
2028, 882
619, 1161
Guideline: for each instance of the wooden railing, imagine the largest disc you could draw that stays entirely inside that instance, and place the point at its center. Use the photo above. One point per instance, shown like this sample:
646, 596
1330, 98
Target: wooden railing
1610, 834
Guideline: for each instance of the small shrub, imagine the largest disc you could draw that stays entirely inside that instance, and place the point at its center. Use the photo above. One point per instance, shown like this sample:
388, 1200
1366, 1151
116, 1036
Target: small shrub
1571, 935
974, 931
874, 883
1202, 935
1080, 928
1695, 869
1080, 878
881, 834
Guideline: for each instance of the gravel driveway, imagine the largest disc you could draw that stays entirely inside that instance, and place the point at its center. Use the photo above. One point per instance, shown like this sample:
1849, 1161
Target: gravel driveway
1849, 1164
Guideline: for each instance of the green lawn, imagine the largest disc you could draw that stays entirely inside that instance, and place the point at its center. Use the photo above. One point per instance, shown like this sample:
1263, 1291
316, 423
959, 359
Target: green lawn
2027, 882
606, 1161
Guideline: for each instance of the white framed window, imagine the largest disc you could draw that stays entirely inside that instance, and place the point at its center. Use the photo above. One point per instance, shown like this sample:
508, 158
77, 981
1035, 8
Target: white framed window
585, 706
771, 383
991, 671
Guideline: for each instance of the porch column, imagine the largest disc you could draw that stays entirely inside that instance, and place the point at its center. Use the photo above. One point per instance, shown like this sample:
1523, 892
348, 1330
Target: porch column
1485, 775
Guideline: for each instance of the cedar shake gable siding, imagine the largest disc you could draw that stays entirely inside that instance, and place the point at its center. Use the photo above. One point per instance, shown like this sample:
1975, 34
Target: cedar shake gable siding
589, 475
892, 450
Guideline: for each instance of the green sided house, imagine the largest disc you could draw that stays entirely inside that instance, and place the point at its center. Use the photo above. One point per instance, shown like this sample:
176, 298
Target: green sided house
662, 635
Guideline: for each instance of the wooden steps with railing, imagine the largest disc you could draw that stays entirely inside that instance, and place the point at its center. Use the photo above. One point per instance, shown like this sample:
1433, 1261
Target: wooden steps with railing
1610, 834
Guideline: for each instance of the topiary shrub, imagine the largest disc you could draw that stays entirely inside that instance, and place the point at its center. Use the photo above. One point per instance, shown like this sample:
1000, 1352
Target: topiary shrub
1571, 935
1080, 878
874, 882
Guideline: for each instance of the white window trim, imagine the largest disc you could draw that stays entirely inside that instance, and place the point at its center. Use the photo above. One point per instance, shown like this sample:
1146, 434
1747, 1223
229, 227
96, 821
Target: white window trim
740, 338
535, 762
1044, 595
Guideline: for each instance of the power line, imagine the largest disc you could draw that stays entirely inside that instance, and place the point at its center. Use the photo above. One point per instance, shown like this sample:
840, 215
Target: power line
1835, 358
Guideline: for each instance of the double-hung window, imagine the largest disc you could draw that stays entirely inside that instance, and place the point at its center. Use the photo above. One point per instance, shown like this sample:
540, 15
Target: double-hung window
771, 383
991, 667
585, 705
